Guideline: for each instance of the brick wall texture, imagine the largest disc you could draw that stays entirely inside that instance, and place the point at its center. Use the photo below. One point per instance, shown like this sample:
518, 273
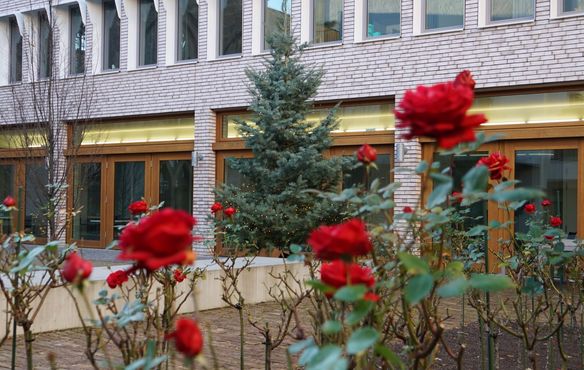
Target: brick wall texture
542, 51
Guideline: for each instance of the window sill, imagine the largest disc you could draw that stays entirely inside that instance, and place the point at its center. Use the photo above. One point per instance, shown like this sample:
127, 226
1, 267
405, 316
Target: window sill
438, 31
568, 15
144, 68
507, 23
378, 38
226, 57
324, 45
108, 72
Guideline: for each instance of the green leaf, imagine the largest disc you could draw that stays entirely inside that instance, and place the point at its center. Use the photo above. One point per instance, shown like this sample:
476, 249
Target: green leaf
332, 327
361, 340
477, 230
326, 358
475, 180
413, 264
516, 195
295, 248
351, 293
362, 308
442, 189
422, 167
320, 286
389, 356
418, 288
490, 282
28, 259
453, 288
301, 345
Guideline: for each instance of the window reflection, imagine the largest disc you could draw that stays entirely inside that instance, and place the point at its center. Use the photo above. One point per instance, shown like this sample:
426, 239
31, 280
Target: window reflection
87, 201
444, 14
502, 10
148, 33
230, 27
276, 18
77, 42
6, 188
188, 29
383, 17
327, 21
36, 199
111, 36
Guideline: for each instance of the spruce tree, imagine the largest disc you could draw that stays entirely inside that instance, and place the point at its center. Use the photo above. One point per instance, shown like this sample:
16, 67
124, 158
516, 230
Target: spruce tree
276, 207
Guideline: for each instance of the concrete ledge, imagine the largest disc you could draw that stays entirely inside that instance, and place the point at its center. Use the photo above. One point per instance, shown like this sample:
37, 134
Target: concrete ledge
58, 311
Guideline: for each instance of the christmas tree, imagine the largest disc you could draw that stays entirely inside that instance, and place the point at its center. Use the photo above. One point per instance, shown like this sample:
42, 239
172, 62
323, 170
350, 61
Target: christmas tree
277, 208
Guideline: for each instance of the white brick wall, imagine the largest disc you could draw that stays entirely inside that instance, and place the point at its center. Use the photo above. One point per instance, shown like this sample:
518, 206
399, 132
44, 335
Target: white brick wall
544, 51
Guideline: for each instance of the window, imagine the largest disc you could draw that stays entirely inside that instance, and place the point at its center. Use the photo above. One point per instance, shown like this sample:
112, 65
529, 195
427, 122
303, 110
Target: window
15, 52
443, 14
327, 21
383, 17
7, 179
230, 27
188, 29
148, 33
572, 6
77, 42
505, 10
111, 36
45, 46
276, 18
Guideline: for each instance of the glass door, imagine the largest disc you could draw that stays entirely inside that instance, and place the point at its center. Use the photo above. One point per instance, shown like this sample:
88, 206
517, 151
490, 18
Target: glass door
87, 202
173, 177
7, 181
356, 176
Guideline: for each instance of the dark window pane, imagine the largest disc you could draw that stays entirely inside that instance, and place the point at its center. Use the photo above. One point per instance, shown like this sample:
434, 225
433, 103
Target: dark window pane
234, 177
276, 18
6, 189
77, 39
15, 52
128, 188
36, 199
148, 33
383, 17
230, 27
188, 29
356, 176
176, 184
328, 21
444, 14
573, 5
111, 36
556, 173
87, 201
44, 46
511, 9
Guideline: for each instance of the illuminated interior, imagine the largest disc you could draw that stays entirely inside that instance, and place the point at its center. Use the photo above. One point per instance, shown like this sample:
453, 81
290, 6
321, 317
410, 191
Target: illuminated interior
355, 118
19, 139
553, 107
143, 131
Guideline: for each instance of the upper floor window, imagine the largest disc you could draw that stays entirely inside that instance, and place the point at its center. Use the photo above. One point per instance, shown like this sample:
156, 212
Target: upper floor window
507, 10
188, 29
111, 36
230, 27
443, 14
276, 18
77, 42
148, 33
15, 52
327, 24
572, 6
45, 46
383, 17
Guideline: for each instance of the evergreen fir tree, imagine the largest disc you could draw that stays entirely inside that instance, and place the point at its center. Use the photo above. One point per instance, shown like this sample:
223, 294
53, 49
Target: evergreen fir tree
276, 208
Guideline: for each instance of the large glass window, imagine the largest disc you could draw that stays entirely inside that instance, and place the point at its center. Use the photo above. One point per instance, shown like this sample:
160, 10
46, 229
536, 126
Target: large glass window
45, 46
111, 36
443, 14
356, 176
504, 10
15, 52
129, 182
176, 184
555, 171
188, 29
230, 27
231, 176
77, 42
276, 18
569, 6
148, 33
36, 199
327, 25
383, 17
7, 173
87, 201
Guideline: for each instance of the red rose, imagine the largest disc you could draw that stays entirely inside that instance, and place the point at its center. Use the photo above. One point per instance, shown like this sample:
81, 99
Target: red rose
366, 154
161, 239
496, 163
9, 202
549, 237
347, 239
439, 112
187, 337
137, 208
464, 78
216, 207
555, 221
529, 208
408, 209
546, 203
338, 274
116, 278
456, 196
372, 297
179, 275
76, 269
229, 211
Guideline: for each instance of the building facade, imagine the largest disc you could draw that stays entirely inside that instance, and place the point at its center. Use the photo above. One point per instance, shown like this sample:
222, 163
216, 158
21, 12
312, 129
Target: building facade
168, 77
